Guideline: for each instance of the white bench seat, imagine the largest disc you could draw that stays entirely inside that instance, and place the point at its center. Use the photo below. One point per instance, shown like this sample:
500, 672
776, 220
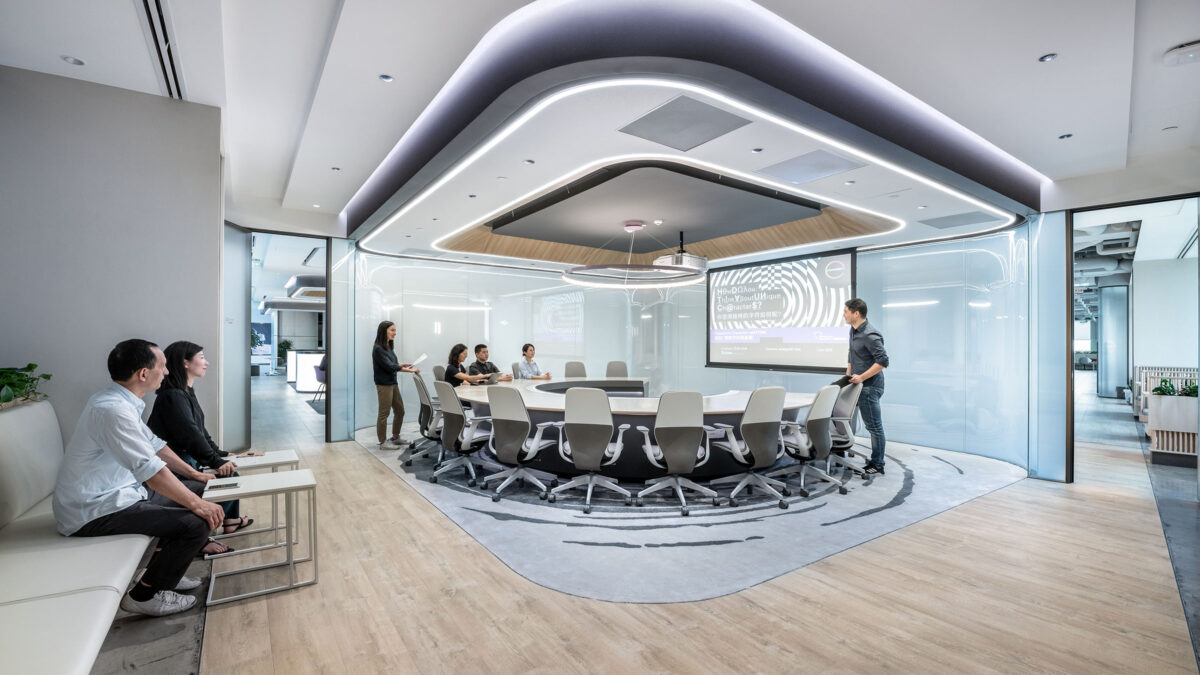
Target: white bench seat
58, 634
36, 561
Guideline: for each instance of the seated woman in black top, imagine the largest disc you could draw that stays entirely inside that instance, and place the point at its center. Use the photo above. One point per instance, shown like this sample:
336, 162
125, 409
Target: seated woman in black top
178, 420
456, 374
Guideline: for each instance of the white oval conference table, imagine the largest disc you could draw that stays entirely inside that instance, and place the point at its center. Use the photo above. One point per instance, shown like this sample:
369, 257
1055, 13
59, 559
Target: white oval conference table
546, 402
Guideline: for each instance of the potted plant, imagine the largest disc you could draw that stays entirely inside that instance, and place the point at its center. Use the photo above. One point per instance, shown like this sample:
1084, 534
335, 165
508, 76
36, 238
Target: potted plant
284, 346
20, 385
1172, 410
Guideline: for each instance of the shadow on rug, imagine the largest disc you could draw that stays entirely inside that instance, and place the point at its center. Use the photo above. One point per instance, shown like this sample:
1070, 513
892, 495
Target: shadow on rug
653, 554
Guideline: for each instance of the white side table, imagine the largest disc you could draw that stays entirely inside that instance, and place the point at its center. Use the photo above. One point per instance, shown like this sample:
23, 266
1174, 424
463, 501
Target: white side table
289, 484
274, 460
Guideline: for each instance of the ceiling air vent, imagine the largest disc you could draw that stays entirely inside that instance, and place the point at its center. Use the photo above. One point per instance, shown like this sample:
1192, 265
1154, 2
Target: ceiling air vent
809, 167
684, 123
960, 219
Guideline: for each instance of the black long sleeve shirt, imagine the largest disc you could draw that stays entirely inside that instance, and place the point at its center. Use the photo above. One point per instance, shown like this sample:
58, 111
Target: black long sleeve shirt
178, 420
385, 365
866, 349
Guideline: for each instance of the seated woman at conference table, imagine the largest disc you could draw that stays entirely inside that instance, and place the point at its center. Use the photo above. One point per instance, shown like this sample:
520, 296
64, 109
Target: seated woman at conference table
527, 368
456, 374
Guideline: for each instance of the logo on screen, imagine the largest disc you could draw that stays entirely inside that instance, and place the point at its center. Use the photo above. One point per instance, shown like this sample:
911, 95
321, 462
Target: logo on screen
834, 269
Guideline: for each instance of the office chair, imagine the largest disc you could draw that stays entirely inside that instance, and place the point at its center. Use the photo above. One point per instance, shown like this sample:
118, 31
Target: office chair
429, 418
616, 369
457, 435
516, 371
510, 441
756, 444
588, 429
439, 373
321, 380
814, 443
846, 420
574, 369
682, 445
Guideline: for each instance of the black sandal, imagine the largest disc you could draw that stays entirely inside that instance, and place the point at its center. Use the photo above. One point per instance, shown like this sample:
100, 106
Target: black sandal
228, 549
243, 523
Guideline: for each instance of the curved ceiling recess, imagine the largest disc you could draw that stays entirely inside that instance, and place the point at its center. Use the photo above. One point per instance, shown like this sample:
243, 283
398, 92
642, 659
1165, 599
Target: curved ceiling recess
305, 286
552, 94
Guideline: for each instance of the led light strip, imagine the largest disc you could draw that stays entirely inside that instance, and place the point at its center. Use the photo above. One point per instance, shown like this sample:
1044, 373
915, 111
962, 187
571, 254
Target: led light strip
680, 86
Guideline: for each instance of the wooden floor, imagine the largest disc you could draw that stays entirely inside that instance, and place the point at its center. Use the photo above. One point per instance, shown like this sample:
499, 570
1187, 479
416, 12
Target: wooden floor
1038, 576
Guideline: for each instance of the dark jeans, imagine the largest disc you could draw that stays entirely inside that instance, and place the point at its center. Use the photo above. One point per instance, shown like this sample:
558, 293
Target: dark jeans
181, 534
872, 417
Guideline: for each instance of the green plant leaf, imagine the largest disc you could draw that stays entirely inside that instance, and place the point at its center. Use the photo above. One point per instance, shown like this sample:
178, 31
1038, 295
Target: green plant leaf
6, 394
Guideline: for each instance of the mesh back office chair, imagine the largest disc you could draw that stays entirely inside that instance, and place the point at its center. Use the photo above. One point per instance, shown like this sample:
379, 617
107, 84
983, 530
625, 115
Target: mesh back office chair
574, 369
682, 445
439, 373
429, 418
616, 369
510, 440
756, 444
846, 419
588, 428
814, 443
457, 435
516, 371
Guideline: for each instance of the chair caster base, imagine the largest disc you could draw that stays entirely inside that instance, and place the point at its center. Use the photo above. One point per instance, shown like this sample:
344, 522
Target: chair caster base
804, 493
639, 502
552, 498
783, 504
684, 511
495, 498
408, 462
471, 482
433, 479
733, 502
842, 490
785, 492
716, 501
587, 509
628, 501
542, 496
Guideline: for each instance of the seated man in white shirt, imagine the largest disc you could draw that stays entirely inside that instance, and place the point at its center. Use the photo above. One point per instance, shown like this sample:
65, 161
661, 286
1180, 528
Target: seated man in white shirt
99, 490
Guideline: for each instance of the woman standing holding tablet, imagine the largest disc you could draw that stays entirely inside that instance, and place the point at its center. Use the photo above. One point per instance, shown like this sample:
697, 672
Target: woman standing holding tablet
386, 365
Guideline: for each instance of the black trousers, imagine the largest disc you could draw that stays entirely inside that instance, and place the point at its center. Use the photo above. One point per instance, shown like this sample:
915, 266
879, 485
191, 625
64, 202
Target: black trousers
181, 534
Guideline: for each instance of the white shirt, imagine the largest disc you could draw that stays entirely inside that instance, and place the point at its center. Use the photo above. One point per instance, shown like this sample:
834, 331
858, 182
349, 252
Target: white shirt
110, 455
528, 369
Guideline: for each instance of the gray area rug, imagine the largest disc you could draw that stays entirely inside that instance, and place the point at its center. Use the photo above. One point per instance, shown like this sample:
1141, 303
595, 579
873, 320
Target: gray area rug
653, 554
147, 644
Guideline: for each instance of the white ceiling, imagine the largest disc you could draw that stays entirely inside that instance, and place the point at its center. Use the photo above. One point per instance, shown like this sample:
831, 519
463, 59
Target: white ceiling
300, 93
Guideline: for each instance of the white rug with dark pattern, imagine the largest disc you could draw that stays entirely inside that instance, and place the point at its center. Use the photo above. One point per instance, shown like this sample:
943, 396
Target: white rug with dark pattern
623, 553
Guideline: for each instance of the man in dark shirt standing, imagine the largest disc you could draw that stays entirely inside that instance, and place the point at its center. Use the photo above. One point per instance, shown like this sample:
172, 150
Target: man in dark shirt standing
484, 367
865, 363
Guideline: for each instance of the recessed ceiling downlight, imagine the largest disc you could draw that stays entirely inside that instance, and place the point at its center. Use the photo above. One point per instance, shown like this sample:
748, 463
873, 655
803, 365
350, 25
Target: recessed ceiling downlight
1046, 58
1065, 137
386, 78
73, 61
335, 168
1170, 128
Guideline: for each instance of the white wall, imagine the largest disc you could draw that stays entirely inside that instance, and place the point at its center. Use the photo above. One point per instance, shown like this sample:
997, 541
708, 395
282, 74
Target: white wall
1164, 313
110, 228
299, 327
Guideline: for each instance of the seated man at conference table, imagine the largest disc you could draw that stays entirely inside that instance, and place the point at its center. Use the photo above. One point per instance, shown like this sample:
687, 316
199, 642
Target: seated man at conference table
484, 367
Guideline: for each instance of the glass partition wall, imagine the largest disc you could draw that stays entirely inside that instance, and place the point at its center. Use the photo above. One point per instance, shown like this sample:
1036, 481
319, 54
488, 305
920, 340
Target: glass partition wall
954, 315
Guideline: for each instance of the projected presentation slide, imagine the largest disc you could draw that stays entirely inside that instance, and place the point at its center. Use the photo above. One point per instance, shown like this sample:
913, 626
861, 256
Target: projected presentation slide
784, 314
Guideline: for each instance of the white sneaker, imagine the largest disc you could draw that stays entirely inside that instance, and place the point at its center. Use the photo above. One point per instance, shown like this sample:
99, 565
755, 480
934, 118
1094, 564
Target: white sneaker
187, 584
162, 604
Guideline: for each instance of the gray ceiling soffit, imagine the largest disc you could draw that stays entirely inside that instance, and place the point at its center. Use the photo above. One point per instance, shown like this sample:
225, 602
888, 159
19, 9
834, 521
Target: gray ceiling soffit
684, 123
960, 219
614, 170
293, 304
809, 167
702, 209
689, 36
305, 281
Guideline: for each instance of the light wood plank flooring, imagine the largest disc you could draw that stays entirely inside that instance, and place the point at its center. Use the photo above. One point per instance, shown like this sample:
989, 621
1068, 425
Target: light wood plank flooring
1035, 577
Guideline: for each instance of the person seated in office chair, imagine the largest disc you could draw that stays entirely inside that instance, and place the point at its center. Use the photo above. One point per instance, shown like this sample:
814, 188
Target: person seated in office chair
482, 366
528, 368
456, 373
100, 492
